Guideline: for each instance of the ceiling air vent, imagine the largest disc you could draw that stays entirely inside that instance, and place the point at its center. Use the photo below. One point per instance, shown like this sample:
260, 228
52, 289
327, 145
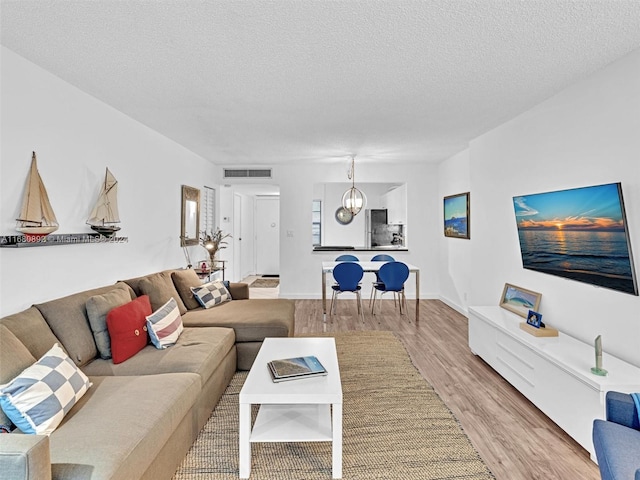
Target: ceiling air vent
247, 173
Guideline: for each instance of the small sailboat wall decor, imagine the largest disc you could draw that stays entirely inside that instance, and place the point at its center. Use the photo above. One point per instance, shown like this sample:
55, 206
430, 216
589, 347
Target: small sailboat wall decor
104, 216
36, 215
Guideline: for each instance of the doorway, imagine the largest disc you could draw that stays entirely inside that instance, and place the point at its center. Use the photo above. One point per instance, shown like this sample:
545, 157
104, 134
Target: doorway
256, 243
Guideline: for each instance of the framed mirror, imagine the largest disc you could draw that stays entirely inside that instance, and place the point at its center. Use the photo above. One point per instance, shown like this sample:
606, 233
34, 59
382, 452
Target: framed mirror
190, 216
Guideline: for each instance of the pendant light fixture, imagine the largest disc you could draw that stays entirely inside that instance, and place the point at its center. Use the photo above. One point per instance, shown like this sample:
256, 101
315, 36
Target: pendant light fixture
353, 199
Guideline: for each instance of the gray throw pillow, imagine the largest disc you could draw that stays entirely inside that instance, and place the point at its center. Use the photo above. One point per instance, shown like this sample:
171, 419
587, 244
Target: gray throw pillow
184, 280
160, 289
98, 307
14, 358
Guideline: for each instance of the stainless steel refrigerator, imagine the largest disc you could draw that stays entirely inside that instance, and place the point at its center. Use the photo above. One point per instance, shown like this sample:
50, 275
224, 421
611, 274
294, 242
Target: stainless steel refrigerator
379, 233
374, 220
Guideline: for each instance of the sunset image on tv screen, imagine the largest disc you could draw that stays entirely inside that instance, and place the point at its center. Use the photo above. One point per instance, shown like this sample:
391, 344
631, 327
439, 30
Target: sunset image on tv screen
579, 234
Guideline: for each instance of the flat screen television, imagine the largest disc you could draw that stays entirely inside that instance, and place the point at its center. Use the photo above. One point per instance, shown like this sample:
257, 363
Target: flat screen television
580, 233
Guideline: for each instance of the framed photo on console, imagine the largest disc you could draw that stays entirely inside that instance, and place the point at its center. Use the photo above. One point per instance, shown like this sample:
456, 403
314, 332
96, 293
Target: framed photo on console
534, 319
519, 300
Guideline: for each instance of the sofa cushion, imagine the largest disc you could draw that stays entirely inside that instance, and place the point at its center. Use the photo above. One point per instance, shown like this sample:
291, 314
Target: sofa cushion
160, 288
165, 325
198, 350
127, 326
183, 281
67, 317
121, 425
38, 398
14, 358
24, 325
25, 457
252, 320
238, 291
97, 308
211, 294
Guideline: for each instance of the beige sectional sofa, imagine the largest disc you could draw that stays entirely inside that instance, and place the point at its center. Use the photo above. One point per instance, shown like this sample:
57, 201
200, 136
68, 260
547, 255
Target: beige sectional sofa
139, 417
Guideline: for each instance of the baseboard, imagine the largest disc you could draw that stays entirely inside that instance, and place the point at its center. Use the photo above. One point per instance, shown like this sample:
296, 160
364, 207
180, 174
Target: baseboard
461, 310
318, 296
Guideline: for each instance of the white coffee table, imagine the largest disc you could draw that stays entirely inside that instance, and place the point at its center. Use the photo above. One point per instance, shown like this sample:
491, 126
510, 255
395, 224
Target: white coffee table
303, 410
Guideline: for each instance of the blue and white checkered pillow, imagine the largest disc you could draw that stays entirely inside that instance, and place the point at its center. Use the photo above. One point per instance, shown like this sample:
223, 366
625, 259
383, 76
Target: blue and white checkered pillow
211, 294
37, 400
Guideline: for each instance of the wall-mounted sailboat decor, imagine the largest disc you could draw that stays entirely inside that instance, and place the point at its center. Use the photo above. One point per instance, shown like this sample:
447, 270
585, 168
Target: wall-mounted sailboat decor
104, 216
37, 220
36, 215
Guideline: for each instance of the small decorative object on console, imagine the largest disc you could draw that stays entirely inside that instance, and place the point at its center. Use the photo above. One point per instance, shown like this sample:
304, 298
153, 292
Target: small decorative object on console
598, 370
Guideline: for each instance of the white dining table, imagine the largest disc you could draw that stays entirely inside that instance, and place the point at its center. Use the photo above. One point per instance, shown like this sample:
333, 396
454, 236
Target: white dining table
367, 266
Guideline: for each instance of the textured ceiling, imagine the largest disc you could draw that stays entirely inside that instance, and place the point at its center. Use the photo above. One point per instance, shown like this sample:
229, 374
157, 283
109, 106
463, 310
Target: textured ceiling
265, 82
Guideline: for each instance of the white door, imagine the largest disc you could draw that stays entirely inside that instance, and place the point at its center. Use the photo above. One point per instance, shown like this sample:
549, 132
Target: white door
237, 238
267, 221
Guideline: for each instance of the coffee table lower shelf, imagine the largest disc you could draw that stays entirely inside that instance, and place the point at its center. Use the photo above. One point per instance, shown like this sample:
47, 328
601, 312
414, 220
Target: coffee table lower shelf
293, 423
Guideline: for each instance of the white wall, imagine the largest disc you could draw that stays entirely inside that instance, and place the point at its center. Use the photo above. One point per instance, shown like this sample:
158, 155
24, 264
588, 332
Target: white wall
454, 259
75, 137
267, 235
588, 134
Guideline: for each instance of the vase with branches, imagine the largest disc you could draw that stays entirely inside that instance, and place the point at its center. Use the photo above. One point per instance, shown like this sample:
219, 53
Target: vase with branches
213, 242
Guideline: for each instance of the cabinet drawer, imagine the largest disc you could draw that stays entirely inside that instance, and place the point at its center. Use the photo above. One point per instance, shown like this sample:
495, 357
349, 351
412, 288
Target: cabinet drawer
570, 403
482, 339
516, 363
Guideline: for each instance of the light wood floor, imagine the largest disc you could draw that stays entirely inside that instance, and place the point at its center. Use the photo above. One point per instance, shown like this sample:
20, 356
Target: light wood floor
515, 439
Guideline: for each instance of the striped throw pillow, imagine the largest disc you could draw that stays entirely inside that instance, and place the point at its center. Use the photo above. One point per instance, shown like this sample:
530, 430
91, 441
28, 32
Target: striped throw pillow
37, 400
165, 325
211, 294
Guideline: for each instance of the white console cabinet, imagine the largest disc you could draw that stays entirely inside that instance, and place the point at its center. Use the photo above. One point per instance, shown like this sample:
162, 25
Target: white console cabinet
554, 373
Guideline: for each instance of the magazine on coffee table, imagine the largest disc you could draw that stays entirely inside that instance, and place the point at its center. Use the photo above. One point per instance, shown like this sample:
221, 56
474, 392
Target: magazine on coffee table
294, 368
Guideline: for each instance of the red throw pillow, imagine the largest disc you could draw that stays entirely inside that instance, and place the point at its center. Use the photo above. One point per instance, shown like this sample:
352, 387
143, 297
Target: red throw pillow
127, 325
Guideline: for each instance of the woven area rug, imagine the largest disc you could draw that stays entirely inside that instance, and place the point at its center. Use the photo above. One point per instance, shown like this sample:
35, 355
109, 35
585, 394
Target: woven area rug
265, 283
394, 427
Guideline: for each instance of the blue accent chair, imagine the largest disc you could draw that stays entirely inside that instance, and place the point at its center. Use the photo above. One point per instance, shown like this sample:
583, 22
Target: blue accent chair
347, 276
392, 277
347, 258
617, 440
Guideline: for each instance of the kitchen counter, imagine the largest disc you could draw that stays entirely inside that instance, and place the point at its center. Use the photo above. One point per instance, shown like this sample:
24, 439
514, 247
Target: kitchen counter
345, 248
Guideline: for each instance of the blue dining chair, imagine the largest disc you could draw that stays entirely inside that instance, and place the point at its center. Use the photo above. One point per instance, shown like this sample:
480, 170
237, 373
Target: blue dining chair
392, 277
381, 258
347, 276
347, 258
